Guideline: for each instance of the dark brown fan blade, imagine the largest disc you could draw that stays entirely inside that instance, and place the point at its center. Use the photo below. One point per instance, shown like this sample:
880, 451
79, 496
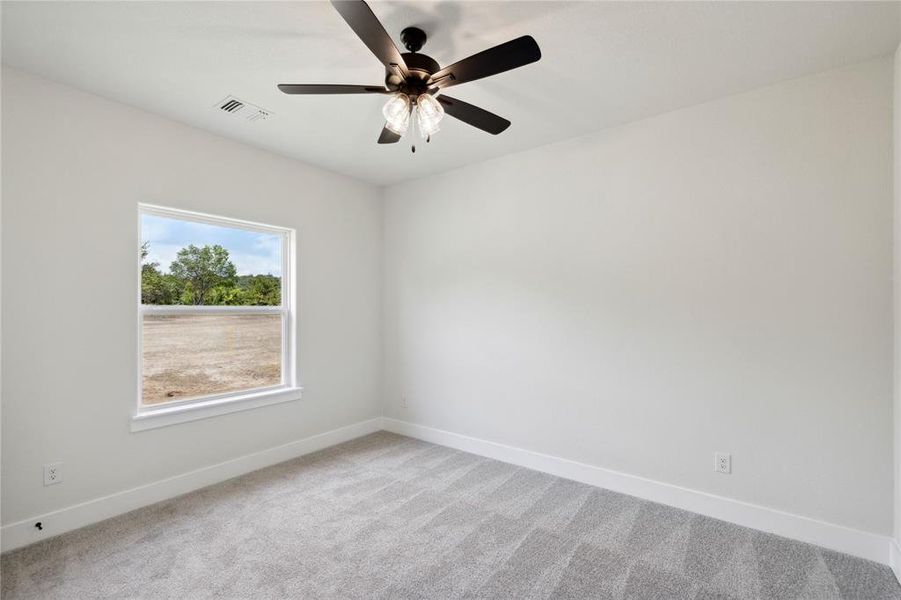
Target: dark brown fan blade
369, 29
473, 115
315, 88
388, 136
510, 55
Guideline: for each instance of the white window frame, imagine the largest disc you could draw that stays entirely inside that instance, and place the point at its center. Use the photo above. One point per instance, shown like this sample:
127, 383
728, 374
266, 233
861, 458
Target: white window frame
191, 409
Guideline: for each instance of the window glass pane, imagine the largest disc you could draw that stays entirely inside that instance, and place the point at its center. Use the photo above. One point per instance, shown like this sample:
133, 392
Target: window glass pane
186, 356
187, 262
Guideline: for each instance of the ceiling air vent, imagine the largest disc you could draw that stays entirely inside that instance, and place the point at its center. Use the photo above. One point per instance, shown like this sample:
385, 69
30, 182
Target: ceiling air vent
243, 110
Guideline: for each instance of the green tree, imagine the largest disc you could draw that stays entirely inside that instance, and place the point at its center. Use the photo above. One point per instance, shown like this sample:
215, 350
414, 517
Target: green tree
261, 290
202, 269
156, 287
248, 290
227, 296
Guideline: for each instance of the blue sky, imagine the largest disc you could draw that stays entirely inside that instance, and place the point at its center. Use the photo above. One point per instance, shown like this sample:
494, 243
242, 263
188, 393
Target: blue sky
252, 253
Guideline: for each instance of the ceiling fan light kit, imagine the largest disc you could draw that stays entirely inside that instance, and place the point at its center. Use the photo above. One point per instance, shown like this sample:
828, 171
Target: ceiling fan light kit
414, 81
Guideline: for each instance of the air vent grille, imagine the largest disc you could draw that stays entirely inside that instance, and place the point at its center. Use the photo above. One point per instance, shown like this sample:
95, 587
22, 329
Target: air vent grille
243, 110
232, 105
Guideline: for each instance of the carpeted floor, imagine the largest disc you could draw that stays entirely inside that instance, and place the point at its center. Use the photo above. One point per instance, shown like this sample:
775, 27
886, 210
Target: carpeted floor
390, 517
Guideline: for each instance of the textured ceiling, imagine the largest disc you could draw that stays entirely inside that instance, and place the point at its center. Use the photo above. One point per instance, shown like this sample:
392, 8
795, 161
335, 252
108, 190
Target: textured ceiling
603, 64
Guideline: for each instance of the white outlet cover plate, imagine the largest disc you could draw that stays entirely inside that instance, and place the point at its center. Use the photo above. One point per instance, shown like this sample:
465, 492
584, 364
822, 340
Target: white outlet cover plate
722, 463
53, 473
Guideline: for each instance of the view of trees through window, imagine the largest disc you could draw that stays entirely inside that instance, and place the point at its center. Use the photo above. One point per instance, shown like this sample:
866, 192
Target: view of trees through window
189, 352
205, 276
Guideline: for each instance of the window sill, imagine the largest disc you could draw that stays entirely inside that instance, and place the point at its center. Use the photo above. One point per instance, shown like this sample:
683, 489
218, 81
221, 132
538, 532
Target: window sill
172, 415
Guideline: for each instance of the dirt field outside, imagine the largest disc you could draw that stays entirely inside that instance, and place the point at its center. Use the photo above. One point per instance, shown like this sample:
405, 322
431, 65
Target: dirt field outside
187, 356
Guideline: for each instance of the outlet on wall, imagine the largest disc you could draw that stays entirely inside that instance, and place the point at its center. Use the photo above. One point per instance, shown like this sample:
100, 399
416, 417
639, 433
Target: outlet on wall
722, 462
403, 401
53, 473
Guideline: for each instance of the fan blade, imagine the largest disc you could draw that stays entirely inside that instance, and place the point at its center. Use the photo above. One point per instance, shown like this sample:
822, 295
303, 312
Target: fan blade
315, 88
510, 55
369, 29
388, 136
473, 115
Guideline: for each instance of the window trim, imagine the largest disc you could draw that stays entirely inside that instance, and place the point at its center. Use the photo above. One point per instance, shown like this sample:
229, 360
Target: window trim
191, 409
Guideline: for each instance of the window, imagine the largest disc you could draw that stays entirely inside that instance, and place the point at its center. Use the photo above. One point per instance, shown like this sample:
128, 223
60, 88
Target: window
215, 316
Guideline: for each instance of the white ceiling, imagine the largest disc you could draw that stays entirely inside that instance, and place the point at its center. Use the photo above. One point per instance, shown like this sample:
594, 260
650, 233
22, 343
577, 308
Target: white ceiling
603, 63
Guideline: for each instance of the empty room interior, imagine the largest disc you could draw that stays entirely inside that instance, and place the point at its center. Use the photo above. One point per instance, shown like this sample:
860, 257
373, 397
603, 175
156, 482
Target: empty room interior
450, 299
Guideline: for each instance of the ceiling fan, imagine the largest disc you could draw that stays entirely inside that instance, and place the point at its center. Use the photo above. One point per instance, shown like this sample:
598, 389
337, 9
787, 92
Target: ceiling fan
415, 81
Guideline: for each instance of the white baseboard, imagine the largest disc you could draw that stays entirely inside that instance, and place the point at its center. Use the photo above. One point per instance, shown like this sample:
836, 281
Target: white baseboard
836, 537
60, 521
895, 558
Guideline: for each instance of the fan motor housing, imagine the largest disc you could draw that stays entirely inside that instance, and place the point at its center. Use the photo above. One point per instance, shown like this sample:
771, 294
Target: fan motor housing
419, 66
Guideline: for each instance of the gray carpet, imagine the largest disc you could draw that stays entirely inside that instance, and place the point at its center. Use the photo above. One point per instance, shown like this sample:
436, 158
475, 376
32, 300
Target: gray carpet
390, 517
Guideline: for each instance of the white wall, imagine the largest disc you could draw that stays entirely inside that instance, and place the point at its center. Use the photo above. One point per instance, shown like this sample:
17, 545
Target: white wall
74, 168
897, 314
714, 279
717, 278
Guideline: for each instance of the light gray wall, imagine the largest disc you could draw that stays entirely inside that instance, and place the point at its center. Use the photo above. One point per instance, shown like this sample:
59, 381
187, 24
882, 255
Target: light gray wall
74, 168
714, 279
897, 273
718, 278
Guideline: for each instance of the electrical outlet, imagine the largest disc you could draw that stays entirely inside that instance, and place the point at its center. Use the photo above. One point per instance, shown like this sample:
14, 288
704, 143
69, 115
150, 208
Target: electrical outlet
722, 463
53, 473
403, 401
